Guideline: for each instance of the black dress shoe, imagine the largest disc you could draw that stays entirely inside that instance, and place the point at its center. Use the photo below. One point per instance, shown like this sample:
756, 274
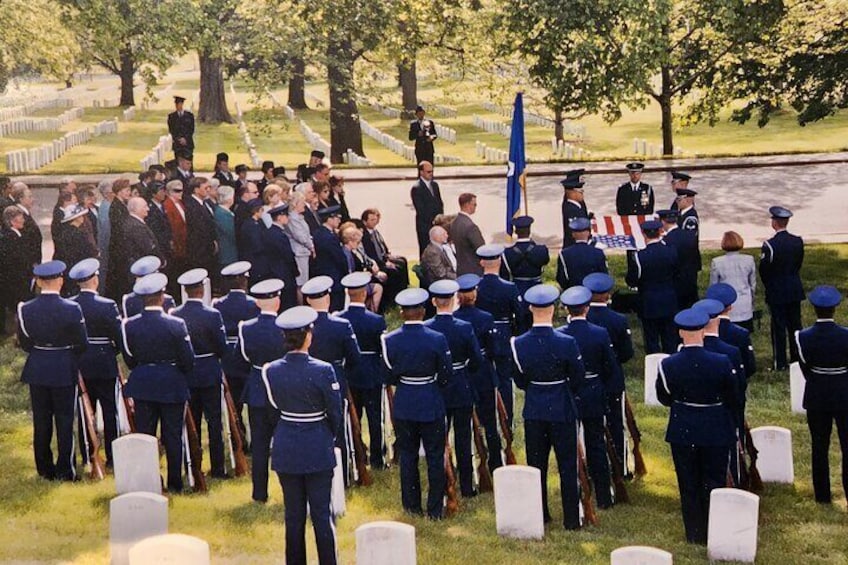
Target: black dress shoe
222, 476
471, 494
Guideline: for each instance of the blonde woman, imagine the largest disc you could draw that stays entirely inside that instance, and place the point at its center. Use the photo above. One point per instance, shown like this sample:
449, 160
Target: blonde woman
738, 270
298, 232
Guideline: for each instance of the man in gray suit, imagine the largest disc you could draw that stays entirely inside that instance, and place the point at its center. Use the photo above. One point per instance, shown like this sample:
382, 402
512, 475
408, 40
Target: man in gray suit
438, 261
466, 237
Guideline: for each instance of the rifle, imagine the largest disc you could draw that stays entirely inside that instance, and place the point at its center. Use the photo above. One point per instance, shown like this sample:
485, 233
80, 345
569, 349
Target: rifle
128, 407
507, 431
755, 482
390, 402
237, 442
637, 438
90, 433
617, 474
483, 473
585, 488
452, 505
358, 446
194, 453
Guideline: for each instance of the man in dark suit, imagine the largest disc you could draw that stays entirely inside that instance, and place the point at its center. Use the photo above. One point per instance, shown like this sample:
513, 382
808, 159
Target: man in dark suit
330, 259
30, 233
139, 240
182, 172
181, 127
157, 220
16, 274
375, 246
427, 201
437, 260
634, 198
201, 234
466, 237
222, 170
423, 133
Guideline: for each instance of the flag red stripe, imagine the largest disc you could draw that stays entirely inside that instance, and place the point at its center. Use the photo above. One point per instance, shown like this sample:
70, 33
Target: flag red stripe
609, 225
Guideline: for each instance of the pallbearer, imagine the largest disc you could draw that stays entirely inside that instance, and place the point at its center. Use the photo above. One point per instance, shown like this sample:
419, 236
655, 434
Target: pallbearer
524, 262
305, 394
51, 330
550, 371
581, 258
132, 303
419, 363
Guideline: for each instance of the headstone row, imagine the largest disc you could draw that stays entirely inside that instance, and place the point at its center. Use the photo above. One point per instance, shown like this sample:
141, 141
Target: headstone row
128, 114
643, 148
490, 153
445, 133
317, 101
158, 154
33, 158
27, 108
561, 148
386, 110
442, 110
314, 139
245, 135
161, 95
350, 157
491, 126
392, 143
25, 124
568, 127
105, 127
288, 111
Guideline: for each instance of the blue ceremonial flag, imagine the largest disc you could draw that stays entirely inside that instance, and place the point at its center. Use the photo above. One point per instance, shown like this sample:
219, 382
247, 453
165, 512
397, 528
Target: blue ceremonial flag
516, 177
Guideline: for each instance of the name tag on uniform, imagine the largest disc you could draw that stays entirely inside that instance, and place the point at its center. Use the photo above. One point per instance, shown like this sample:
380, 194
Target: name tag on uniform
335, 386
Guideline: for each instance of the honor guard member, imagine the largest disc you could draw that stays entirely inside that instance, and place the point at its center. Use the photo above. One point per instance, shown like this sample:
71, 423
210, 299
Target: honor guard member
580, 259
688, 256
500, 298
304, 392
181, 127
524, 262
573, 206
365, 380
550, 371
634, 198
260, 342
51, 330
653, 270
483, 379
419, 364
603, 377
279, 257
780, 268
700, 388
733, 334
458, 394
157, 349
678, 180
236, 307
823, 354
618, 328
132, 303
329, 259
689, 253
209, 341
98, 365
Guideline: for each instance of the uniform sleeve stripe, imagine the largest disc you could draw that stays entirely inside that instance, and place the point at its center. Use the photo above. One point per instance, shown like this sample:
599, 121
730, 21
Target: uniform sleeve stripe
21, 318
268, 386
124, 336
241, 341
515, 354
638, 265
798, 343
662, 377
385, 351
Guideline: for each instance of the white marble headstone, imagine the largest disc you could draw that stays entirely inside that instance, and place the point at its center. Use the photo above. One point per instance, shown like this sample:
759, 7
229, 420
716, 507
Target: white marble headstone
518, 502
176, 549
732, 530
797, 384
774, 462
337, 493
652, 364
385, 543
640, 555
133, 517
136, 460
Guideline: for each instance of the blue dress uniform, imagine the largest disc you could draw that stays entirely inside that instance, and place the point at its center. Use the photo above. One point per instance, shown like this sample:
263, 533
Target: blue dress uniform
733, 334
523, 263
823, 354
653, 271
419, 363
209, 341
571, 209
366, 378
458, 394
158, 351
634, 199
550, 371
780, 268
132, 303
579, 260
603, 374
686, 241
484, 379
279, 258
98, 365
500, 298
330, 258
304, 393
51, 330
701, 388
260, 342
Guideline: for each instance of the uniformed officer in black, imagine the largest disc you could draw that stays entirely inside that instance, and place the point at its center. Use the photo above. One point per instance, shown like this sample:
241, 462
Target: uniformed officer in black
679, 180
523, 262
573, 206
51, 330
823, 355
688, 257
550, 370
419, 365
158, 351
423, 132
581, 259
303, 391
700, 387
181, 127
780, 268
634, 198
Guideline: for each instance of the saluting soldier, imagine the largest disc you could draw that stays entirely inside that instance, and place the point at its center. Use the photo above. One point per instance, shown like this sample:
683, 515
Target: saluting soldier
573, 205
823, 354
365, 379
780, 268
51, 330
581, 258
524, 261
132, 303
259, 343
634, 198
701, 388
208, 339
733, 334
419, 364
304, 392
158, 351
98, 365
181, 127
458, 394
550, 371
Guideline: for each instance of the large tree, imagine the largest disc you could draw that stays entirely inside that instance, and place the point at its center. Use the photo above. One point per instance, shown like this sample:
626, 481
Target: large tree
213, 31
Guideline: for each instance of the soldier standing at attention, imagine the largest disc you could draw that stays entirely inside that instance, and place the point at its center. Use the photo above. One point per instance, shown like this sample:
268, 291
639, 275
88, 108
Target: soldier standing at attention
581, 258
51, 330
573, 205
634, 198
132, 303
181, 128
524, 262
679, 180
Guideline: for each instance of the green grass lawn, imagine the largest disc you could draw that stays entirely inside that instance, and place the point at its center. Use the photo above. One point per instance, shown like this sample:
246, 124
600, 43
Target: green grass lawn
49, 522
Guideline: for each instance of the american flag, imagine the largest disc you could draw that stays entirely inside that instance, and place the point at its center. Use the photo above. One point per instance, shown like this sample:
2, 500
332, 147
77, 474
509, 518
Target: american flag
619, 232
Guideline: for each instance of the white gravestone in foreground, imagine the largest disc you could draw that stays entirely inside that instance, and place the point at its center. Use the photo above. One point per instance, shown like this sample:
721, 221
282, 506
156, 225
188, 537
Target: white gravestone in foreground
133, 517
732, 530
640, 555
774, 461
518, 502
136, 460
797, 384
167, 549
652, 366
385, 543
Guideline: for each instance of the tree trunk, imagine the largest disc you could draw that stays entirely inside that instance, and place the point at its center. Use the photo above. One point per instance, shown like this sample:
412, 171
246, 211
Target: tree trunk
345, 131
408, 85
558, 124
213, 101
297, 84
665, 109
127, 74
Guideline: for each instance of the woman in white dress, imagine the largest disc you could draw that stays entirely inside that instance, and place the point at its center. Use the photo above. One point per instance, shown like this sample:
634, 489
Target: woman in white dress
739, 271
